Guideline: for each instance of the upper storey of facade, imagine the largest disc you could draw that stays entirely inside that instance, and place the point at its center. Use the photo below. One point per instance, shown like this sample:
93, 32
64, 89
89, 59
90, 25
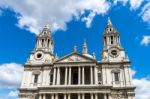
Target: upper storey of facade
112, 49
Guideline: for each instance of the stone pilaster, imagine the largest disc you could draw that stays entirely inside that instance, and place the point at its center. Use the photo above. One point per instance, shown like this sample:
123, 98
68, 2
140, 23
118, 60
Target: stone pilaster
54, 79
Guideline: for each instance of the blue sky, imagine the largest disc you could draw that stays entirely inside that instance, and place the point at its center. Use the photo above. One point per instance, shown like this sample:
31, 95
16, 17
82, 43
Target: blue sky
71, 24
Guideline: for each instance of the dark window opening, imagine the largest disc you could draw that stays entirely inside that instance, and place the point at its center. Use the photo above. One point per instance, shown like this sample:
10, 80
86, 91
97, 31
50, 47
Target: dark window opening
75, 78
87, 75
116, 76
48, 43
60, 96
99, 78
105, 40
74, 74
62, 74
36, 78
42, 42
74, 96
39, 55
111, 38
87, 96
51, 79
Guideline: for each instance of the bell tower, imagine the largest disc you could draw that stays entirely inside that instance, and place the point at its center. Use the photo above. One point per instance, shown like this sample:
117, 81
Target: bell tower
43, 52
44, 41
112, 50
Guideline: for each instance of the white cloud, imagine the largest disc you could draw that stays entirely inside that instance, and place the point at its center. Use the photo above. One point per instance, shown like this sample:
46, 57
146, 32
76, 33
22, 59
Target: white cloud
1, 12
133, 72
88, 19
135, 4
120, 1
13, 93
33, 14
146, 40
142, 88
145, 13
11, 75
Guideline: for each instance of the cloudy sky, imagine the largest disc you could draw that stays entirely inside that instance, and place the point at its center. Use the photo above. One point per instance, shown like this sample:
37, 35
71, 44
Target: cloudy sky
71, 21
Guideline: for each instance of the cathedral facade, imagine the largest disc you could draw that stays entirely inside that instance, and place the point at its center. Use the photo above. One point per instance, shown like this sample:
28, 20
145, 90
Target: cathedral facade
77, 75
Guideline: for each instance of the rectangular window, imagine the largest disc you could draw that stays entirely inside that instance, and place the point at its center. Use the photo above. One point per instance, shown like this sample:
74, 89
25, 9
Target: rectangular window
99, 77
36, 78
105, 41
111, 39
51, 79
116, 75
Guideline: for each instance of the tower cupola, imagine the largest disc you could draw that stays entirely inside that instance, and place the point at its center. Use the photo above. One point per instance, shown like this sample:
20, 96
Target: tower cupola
45, 41
110, 37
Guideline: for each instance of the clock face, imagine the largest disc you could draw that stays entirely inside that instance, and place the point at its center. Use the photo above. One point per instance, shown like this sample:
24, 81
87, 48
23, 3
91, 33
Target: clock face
114, 52
39, 55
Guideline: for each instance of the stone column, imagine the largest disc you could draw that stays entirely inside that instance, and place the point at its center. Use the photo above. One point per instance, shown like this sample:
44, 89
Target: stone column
68, 96
58, 76
56, 96
69, 80
96, 97
44, 96
96, 76
105, 97
82, 75
83, 96
91, 95
52, 96
65, 96
40, 96
79, 75
79, 97
66, 75
91, 69
54, 79
109, 96
47, 77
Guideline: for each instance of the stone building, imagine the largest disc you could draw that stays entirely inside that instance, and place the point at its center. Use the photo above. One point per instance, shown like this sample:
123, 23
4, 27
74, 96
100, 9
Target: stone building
78, 76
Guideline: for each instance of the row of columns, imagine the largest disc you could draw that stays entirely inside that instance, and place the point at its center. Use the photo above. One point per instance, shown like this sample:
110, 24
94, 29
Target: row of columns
115, 39
81, 75
80, 96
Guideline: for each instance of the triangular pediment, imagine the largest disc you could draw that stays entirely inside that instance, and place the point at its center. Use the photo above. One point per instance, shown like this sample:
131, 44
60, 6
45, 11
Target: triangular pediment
75, 57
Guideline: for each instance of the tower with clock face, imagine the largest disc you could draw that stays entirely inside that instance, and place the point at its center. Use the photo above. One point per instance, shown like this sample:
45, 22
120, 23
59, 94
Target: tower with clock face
43, 52
112, 49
